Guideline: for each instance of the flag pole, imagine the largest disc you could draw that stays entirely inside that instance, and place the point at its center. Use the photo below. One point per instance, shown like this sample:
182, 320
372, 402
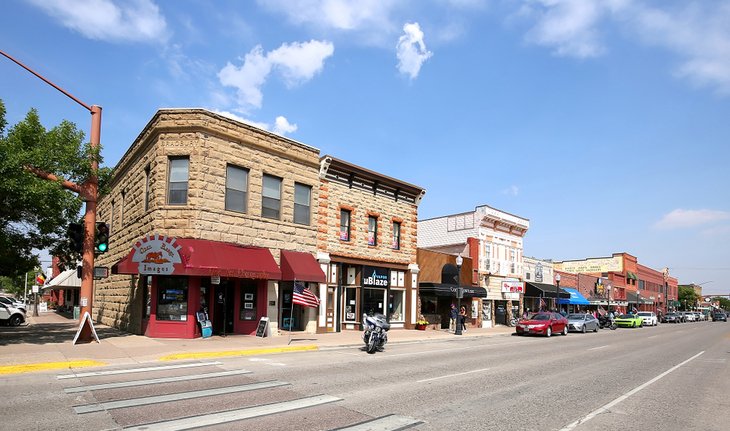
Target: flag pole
291, 313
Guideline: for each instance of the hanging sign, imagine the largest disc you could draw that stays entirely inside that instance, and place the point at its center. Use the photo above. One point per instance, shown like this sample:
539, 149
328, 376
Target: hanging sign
513, 287
156, 255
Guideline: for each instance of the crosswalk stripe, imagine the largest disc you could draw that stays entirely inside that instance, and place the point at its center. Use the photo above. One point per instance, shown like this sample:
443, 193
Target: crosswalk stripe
153, 381
136, 370
134, 402
385, 423
235, 415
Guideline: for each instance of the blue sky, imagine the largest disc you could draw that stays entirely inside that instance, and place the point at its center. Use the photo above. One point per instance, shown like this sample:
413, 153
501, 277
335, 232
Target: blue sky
605, 123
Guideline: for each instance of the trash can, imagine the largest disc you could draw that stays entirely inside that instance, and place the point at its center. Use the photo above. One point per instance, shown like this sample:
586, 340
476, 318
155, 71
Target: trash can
77, 312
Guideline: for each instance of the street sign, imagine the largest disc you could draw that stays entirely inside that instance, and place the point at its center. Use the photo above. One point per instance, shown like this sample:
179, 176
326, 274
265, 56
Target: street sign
459, 292
101, 272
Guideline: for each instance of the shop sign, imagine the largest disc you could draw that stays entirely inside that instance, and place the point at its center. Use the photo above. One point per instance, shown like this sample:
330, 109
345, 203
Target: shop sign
513, 287
156, 255
374, 276
538, 272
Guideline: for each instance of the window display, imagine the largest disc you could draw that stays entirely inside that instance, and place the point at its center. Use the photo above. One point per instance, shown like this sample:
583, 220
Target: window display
172, 298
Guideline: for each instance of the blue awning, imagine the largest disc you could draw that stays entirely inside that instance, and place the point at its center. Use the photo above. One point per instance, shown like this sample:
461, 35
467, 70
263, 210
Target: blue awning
575, 298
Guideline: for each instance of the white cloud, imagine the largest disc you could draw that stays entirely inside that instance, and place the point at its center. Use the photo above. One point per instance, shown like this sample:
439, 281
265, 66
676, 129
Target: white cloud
569, 26
283, 127
699, 33
512, 190
411, 50
109, 20
334, 14
298, 63
281, 124
681, 218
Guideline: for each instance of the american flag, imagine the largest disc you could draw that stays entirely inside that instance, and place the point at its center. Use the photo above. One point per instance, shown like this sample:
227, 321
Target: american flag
304, 296
542, 304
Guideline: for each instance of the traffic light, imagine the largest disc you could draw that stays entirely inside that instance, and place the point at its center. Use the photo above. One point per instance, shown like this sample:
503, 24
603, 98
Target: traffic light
101, 238
75, 234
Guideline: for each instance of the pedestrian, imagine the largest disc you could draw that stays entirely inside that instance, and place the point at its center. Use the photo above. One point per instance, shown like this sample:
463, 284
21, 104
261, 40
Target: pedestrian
453, 315
462, 318
526, 313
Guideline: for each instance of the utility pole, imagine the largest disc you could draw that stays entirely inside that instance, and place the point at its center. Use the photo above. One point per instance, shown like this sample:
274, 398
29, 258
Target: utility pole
89, 192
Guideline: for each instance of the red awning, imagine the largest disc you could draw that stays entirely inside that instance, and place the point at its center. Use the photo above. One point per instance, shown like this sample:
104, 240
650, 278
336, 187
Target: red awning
300, 266
203, 258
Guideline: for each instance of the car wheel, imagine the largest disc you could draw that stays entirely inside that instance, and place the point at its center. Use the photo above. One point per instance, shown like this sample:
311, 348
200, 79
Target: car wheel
595, 329
633, 325
565, 330
15, 320
549, 331
584, 329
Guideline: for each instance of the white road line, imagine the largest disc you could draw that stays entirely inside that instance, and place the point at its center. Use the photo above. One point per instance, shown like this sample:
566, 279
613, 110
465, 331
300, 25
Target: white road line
154, 381
652, 336
599, 347
235, 415
606, 407
385, 423
137, 370
452, 375
134, 402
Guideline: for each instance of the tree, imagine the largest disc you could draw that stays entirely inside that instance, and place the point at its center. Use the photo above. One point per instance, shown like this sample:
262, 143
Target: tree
724, 302
687, 297
35, 212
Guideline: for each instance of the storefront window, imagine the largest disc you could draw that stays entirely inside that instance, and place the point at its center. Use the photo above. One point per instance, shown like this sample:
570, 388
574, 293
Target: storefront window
146, 296
397, 301
172, 298
374, 301
248, 302
351, 304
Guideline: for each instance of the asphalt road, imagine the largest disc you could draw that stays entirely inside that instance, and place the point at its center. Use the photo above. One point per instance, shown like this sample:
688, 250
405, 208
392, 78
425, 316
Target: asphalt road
670, 377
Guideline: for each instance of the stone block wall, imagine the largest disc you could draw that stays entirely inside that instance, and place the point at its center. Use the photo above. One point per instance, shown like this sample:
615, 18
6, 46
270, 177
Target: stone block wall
211, 142
334, 196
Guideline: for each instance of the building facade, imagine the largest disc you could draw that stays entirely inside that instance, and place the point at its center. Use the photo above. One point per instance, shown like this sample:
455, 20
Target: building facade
209, 214
366, 242
494, 241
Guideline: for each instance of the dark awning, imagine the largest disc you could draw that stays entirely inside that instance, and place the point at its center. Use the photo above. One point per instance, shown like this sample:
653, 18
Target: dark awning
632, 297
543, 290
301, 267
199, 257
440, 289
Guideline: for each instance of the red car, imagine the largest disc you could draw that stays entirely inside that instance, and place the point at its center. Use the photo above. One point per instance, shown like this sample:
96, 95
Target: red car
543, 323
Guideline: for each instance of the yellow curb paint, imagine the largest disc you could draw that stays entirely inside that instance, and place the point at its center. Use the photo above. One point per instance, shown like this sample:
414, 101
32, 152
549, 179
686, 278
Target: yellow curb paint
247, 352
43, 366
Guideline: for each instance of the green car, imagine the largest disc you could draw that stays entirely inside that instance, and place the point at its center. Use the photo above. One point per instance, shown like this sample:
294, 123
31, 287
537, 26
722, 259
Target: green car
629, 321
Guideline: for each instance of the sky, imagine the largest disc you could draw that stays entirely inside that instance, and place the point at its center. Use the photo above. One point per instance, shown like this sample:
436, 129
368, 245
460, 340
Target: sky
603, 122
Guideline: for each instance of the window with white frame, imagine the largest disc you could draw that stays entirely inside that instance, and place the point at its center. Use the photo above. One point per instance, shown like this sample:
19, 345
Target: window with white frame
236, 189
372, 230
271, 197
302, 203
177, 183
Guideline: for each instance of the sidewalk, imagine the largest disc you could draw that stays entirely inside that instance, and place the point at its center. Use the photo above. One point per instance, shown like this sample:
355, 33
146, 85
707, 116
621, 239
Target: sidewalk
46, 340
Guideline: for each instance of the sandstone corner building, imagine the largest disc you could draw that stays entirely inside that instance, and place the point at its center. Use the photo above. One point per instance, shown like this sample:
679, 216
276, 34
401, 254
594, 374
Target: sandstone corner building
210, 214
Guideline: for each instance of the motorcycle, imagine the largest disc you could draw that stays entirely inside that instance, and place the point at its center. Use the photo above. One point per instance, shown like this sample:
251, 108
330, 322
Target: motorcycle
376, 332
605, 322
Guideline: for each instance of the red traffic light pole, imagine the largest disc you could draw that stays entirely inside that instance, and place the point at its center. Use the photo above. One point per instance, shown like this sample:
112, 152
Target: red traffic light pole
89, 192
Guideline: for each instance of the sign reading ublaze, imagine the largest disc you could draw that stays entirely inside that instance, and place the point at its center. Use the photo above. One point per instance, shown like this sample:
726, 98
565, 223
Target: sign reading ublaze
156, 255
374, 276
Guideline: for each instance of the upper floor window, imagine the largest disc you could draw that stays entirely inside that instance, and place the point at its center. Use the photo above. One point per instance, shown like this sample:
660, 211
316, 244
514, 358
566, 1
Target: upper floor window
396, 235
344, 225
302, 203
236, 189
271, 197
177, 186
372, 230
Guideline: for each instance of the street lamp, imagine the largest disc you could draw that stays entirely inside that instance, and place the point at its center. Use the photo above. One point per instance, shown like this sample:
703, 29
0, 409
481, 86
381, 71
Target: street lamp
557, 291
608, 300
459, 294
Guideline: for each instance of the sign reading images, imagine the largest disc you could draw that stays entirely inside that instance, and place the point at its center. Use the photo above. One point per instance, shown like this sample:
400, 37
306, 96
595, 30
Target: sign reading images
374, 276
156, 255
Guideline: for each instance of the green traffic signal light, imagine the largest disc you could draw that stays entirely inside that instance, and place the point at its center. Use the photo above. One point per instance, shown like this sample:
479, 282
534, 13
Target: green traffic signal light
101, 238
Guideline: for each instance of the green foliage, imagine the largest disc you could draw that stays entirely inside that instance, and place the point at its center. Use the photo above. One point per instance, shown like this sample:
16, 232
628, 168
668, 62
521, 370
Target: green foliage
35, 212
724, 302
687, 297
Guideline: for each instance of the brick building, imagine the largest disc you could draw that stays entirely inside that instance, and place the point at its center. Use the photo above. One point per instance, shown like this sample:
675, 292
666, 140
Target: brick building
207, 212
494, 241
366, 241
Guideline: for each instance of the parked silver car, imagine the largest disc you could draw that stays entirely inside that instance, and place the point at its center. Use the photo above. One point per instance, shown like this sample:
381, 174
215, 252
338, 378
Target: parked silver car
9, 300
580, 322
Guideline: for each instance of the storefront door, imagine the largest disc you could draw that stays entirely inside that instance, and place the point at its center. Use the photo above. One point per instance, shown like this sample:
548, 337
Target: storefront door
374, 301
223, 314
